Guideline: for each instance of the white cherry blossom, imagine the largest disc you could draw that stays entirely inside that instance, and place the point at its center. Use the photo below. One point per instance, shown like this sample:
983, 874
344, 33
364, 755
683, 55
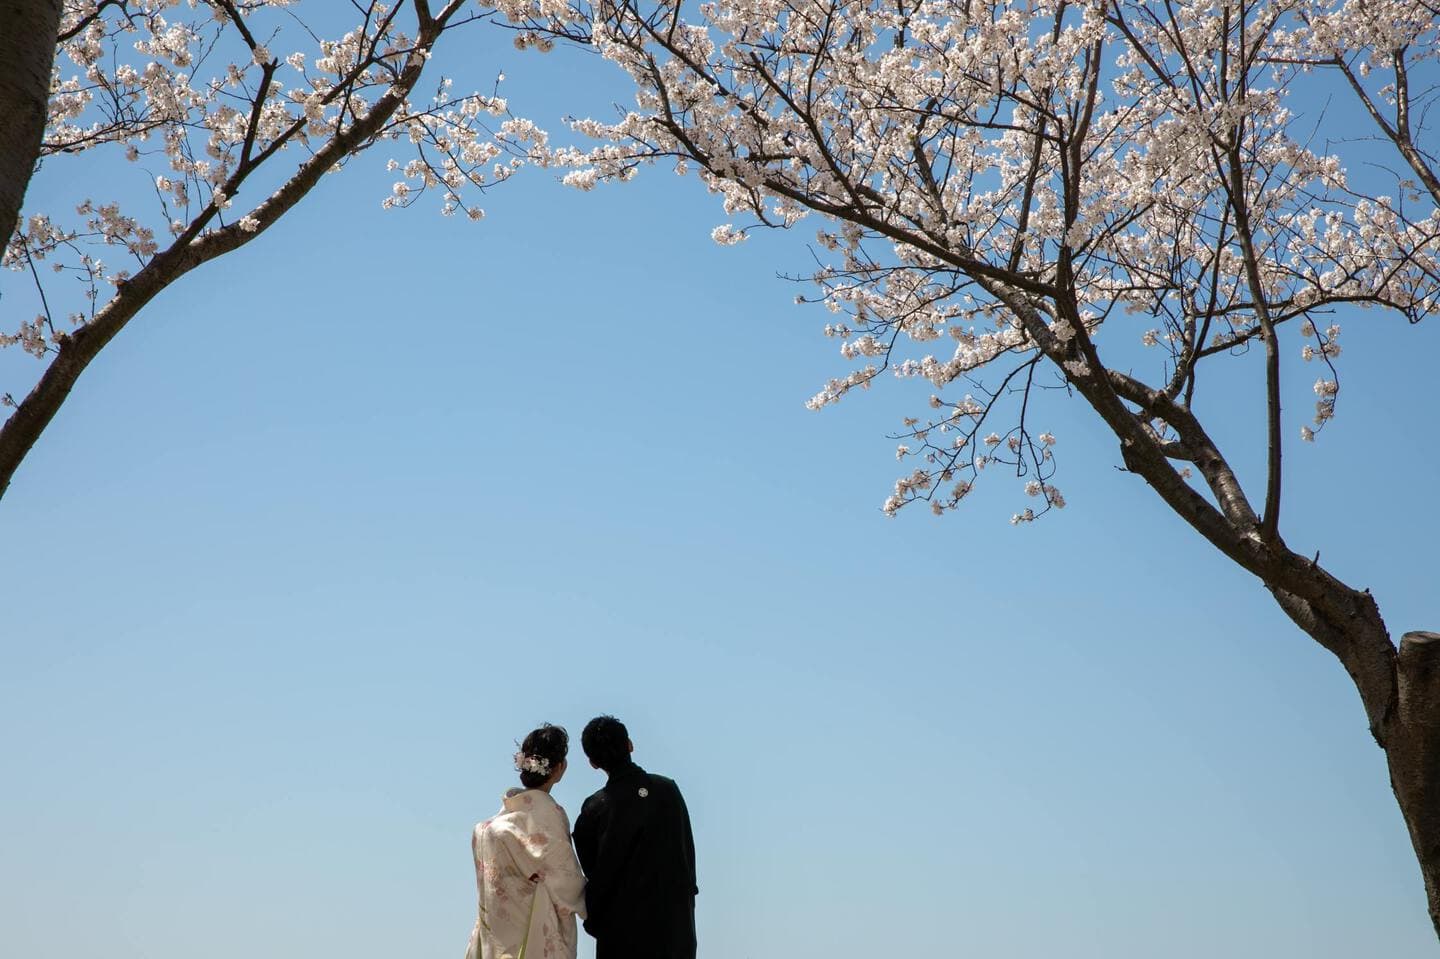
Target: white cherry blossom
1108, 200
235, 108
1000, 182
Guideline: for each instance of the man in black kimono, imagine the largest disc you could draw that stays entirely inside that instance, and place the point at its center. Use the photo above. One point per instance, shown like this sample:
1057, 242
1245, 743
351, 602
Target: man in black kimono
634, 843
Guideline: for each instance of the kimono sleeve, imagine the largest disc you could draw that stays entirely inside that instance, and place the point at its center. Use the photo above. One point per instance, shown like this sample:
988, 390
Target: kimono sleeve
475, 854
562, 871
472, 951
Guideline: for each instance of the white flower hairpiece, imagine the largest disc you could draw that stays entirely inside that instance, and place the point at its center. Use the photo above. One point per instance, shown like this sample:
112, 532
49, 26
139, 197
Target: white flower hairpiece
532, 764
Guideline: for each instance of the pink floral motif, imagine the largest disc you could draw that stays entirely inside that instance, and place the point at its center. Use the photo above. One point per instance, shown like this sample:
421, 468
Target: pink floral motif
523, 861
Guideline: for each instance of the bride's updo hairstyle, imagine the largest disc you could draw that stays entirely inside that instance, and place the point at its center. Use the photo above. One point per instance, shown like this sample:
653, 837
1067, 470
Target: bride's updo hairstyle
541, 752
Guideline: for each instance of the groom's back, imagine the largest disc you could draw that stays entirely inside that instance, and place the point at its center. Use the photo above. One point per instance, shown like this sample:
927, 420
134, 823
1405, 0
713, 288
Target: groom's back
634, 841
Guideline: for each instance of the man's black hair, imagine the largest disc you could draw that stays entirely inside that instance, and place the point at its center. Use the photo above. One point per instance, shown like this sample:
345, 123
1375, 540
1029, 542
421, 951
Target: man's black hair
606, 742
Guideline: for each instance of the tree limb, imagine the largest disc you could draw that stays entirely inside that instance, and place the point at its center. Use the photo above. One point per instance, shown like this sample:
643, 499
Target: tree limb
27, 55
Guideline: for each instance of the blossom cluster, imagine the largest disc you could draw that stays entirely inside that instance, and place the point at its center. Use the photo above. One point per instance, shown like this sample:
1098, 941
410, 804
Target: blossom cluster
232, 109
1000, 181
538, 765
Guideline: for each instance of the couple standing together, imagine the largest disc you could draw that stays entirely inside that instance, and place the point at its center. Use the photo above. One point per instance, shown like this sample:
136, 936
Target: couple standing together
636, 893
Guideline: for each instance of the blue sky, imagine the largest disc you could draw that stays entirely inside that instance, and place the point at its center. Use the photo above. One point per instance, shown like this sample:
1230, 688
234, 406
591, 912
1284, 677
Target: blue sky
345, 514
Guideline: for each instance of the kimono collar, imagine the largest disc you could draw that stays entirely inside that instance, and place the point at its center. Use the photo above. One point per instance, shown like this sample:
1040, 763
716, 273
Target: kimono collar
628, 771
519, 799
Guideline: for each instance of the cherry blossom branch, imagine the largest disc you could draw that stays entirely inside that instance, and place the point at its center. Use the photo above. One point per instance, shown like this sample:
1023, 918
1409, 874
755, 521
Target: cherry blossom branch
1398, 133
1239, 205
235, 17
779, 121
81, 24
198, 242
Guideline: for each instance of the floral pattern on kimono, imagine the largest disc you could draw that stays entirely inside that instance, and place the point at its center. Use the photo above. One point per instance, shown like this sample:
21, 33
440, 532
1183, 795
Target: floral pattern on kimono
529, 837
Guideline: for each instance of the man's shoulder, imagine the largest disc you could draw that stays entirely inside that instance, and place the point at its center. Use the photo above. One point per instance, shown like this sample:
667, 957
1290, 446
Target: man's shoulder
594, 802
664, 784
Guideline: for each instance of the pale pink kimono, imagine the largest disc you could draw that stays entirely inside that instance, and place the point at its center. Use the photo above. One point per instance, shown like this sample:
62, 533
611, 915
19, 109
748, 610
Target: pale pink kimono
529, 837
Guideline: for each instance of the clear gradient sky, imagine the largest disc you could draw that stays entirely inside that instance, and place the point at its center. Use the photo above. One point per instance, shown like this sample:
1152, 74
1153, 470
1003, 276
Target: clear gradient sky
345, 514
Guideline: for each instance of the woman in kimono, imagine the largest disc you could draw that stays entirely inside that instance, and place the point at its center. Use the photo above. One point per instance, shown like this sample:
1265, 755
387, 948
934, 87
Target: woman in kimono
529, 881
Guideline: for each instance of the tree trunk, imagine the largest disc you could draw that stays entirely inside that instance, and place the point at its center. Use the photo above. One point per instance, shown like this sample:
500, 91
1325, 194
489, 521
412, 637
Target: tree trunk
1412, 750
27, 54
1400, 692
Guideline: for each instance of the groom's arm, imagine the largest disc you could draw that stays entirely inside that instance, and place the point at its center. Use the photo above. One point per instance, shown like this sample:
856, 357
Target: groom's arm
680, 826
689, 842
584, 836
589, 828
605, 836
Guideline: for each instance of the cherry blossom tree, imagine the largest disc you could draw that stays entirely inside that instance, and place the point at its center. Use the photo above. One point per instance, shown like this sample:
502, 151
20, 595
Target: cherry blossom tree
1109, 199
201, 94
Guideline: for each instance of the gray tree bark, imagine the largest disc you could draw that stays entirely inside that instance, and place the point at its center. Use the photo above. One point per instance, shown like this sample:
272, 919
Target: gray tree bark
1414, 755
1401, 692
27, 55
1399, 689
